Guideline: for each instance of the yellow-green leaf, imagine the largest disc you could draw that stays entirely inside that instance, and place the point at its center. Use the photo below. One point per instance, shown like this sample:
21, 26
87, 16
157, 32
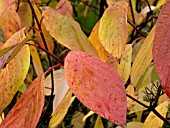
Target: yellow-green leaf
13, 75
66, 31
113, 30
134, 125
98, 123
153, 121
143, 58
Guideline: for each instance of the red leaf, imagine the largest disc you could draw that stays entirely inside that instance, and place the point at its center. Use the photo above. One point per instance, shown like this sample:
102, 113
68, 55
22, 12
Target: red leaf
97, 86
27, 111
161, 47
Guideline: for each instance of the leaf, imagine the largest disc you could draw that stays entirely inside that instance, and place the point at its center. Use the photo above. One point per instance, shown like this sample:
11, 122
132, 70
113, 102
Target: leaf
65, 8
66, 31
28, 109
113, 30
133, 125
143, 58
98, 86
90, 113
25, 14
11, 22
13, 75
60, 87
76, 121
124, 67
161, 52
98, 123
160, 3
95, 41
153, 121
61, 110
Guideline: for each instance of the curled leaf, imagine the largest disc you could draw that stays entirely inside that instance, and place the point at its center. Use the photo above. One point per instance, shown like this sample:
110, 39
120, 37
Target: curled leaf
97, 86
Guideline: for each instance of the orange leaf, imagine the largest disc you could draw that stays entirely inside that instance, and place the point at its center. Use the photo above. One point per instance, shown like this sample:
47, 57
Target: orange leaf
66, 31
97, 86
113, 30
161, 47
10, 22
28, 109
13, 75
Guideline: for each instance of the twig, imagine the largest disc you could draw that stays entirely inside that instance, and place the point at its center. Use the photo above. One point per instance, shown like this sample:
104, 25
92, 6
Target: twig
150, 108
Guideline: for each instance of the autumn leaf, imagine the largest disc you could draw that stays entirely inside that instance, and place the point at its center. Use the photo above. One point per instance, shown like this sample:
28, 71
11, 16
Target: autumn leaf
60, 87
153, 121
161, 51
28, 109
13, 75
11, 22
66, 31
113, 30
143, 58
98, 86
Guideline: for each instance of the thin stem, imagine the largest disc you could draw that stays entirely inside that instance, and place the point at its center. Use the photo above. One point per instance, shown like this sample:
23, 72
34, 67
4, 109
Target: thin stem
131, 8
136, 28
55, 57
49, 59
150, 108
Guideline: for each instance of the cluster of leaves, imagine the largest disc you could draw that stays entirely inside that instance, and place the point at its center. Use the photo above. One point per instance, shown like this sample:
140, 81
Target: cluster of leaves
120, 72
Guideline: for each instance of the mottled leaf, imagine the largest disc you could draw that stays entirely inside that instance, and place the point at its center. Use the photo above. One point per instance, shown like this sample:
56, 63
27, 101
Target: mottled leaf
97, 86
61, 110
28, 109
66, 31
77, 120
152, 120
60, 87
13, 75
143, 58
161, 47
10, 22
113, 30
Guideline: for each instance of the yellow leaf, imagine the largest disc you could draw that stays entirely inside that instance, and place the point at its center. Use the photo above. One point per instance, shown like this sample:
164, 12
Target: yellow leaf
61, 110
133, 125
13, 75
87, 115
98, 123
47, 36
153, 121
143, 58
67, 31
160, 3
113, 30
124, 67
95, 41
25, 14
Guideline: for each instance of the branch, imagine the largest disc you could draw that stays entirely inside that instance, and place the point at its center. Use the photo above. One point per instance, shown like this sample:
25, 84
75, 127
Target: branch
150, 108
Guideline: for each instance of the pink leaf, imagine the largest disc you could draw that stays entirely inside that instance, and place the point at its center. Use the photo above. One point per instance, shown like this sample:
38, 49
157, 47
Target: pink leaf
161, 47
97, 85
